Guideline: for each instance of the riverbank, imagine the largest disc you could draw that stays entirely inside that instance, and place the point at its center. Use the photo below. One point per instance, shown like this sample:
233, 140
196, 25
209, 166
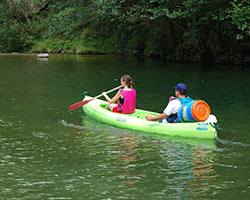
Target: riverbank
236, 54
141, 45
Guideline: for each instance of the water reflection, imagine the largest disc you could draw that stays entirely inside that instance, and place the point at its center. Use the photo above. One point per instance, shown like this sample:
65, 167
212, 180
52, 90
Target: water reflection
174, 166
203, 173
43, 59
188, 166
127, 167
122, 153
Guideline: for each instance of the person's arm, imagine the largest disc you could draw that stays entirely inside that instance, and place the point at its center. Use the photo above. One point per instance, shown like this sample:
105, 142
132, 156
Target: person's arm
114, 99
167, 111
157, 118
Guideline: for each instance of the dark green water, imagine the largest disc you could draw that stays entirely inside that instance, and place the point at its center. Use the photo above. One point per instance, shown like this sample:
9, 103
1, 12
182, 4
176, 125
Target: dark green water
49, 152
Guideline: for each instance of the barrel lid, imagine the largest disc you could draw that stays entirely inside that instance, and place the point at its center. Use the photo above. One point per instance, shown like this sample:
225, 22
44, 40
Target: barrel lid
200, 110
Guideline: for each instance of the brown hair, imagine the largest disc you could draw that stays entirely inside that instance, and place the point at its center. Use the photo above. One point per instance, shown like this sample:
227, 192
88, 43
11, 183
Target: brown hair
128, 80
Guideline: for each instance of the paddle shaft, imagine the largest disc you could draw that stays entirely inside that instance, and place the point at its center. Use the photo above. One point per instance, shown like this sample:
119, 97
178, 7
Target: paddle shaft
82, 103
107, 92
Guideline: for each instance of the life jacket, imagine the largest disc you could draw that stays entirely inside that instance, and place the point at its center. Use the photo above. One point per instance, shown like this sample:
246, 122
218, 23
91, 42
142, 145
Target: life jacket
129, 97
175, 118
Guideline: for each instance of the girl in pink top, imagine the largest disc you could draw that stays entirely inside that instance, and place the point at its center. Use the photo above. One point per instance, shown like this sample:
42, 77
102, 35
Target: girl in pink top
125, 98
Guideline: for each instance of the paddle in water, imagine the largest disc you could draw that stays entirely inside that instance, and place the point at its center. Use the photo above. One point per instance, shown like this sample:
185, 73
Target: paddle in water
82, 103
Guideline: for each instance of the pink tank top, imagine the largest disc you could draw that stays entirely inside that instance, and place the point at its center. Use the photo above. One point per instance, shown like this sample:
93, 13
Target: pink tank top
129, 97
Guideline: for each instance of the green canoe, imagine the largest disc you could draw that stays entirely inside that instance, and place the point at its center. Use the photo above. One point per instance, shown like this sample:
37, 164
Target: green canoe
137, 121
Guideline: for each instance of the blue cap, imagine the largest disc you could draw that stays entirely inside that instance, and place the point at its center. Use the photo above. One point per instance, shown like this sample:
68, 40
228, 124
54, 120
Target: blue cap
180, 86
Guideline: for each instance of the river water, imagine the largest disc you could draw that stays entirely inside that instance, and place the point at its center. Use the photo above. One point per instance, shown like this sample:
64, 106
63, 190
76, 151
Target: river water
49, 152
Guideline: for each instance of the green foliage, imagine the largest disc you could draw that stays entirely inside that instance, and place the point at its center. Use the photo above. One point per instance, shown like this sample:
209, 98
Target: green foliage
55, 45
87, 50
66, 23
109, 25
12, 37
240, 15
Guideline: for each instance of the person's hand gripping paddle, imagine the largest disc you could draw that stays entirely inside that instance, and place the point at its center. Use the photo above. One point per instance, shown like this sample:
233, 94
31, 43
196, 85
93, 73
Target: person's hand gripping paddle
82, 103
